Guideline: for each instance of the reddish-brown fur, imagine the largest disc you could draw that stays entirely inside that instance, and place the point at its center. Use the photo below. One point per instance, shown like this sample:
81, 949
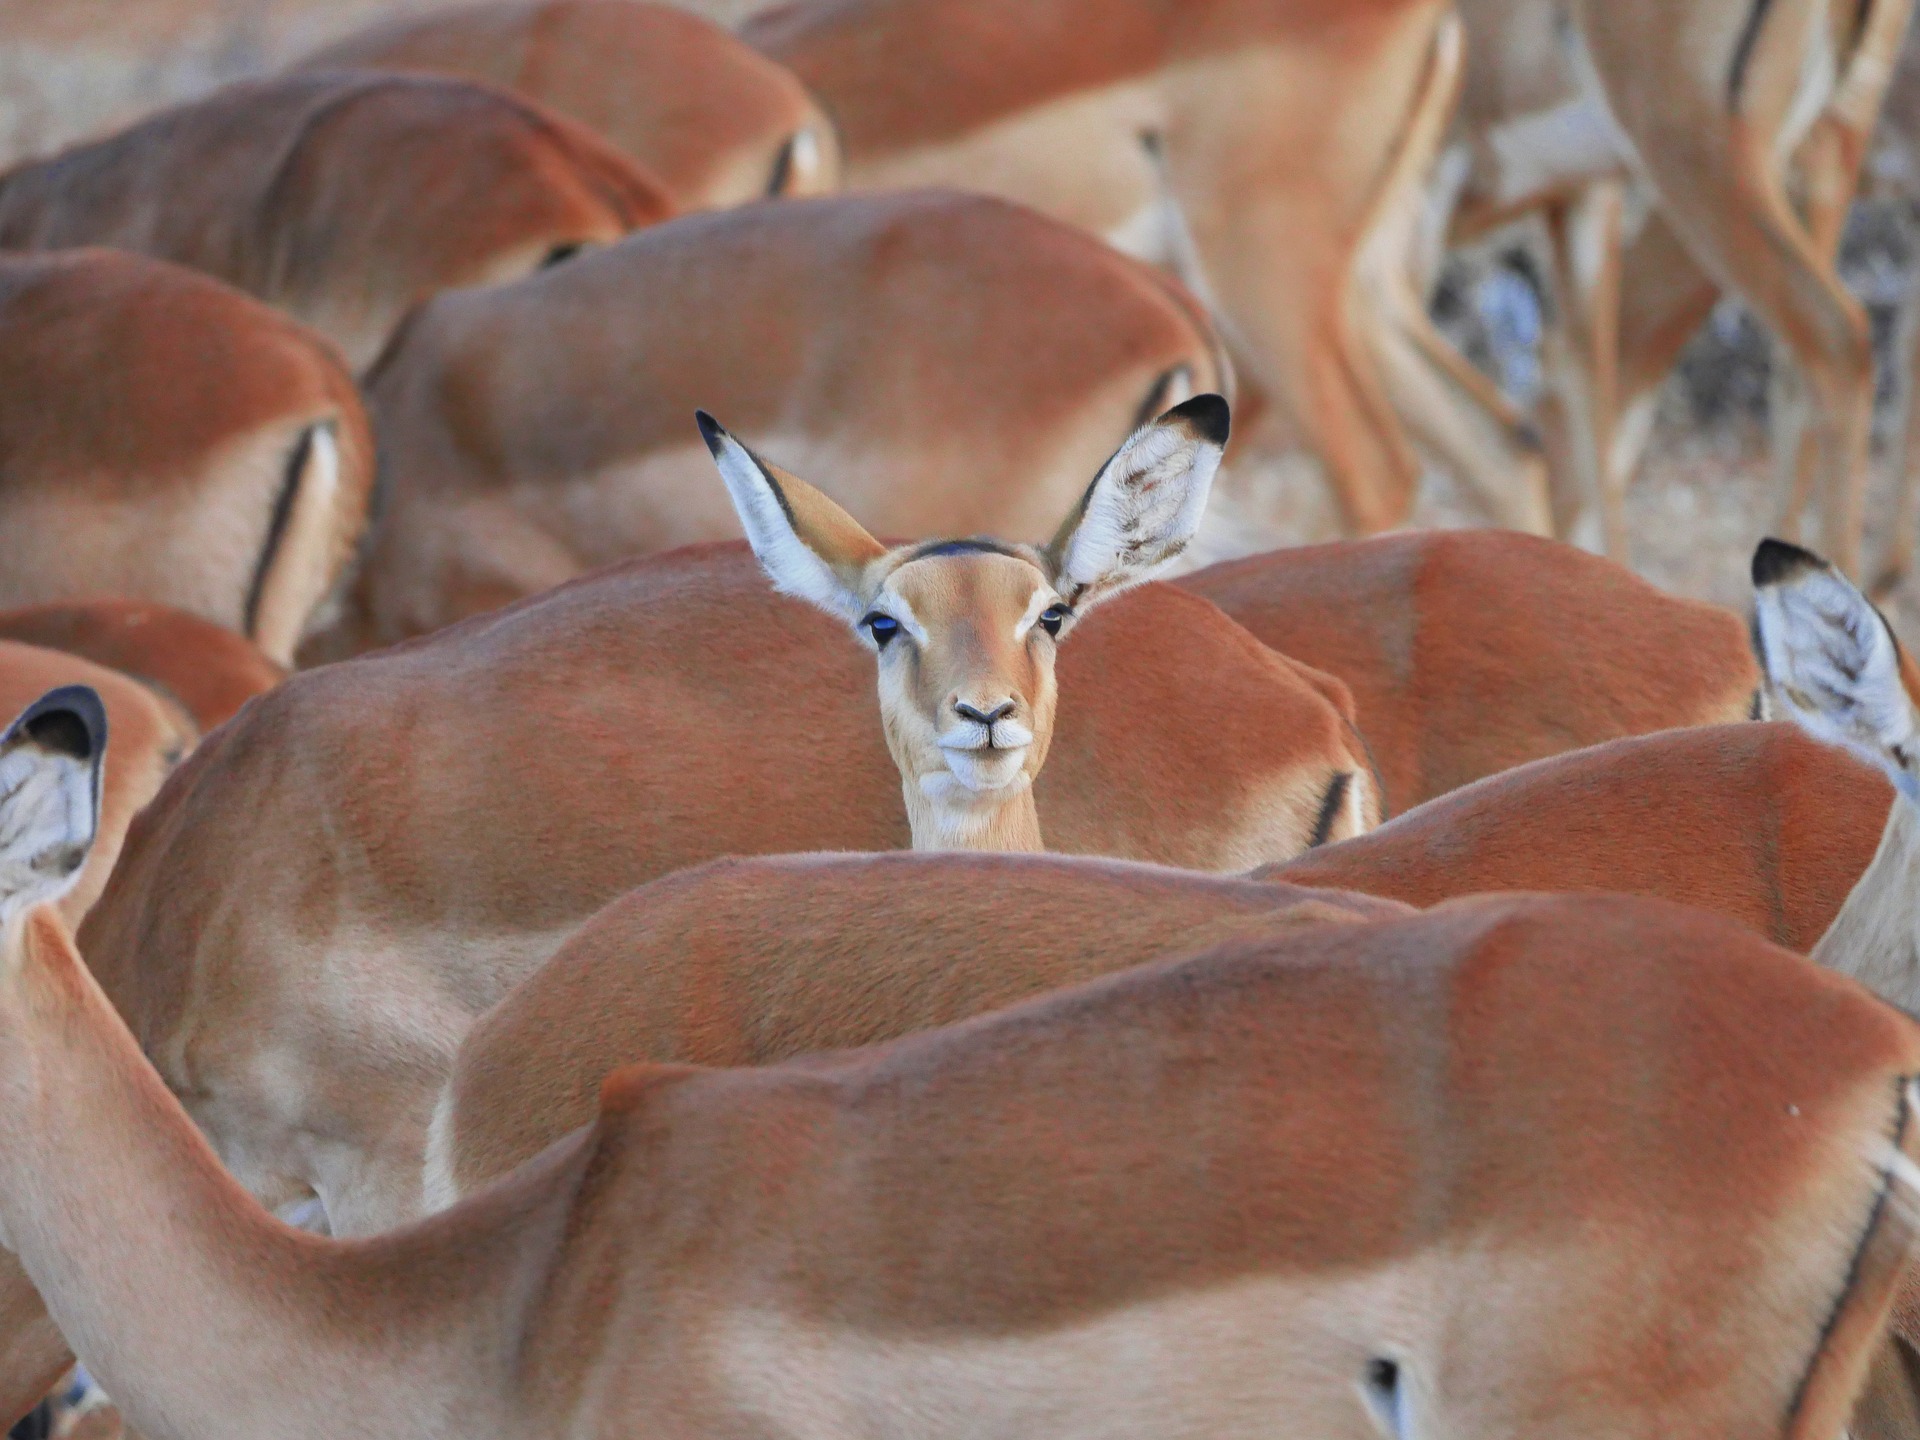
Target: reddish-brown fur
714, 121
941, 364
1590, 1163
205, 668
342, 198
427, 824
151, 422
1472, 651
749, 962
1254, 147
1758, 822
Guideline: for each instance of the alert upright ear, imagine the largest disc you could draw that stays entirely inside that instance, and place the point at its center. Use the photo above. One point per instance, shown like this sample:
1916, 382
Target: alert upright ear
50, 766
1832, 660
809, 546
1144, 506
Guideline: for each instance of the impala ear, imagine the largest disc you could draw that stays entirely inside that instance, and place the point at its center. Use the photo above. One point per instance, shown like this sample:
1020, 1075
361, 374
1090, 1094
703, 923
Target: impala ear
809, 546
1144, 506
1832, 660
50, 765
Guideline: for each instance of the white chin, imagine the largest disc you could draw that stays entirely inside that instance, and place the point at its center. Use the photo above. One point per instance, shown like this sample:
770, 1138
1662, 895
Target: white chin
977, 772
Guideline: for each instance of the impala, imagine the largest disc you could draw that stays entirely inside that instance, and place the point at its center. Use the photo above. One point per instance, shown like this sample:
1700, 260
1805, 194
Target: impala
1747, 122
953, 364
965, 630
342, 198
1838, 670
1193, 1191
1275, 156
206, 669
750, 961
1471, 651
486, 790
169, 439
714, 121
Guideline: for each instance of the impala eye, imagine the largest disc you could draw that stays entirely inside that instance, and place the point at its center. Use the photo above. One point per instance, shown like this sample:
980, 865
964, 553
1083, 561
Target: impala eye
882, 627
1053, 617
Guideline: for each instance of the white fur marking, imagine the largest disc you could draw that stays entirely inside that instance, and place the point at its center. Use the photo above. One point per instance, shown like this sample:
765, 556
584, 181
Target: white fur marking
788, 560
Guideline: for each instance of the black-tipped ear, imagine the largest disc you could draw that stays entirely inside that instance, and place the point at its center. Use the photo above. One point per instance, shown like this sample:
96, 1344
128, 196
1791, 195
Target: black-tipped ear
1775, 561
711, 431
1209, 416
69, 721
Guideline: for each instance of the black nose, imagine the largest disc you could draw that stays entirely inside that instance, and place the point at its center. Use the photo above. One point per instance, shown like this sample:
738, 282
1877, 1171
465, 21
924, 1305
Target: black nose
985, 717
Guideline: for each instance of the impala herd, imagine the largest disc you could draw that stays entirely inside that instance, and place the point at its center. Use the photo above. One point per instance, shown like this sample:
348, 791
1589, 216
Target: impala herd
475, 960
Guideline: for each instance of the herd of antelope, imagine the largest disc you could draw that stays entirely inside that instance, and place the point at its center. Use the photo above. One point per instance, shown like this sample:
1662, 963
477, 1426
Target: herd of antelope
475, 961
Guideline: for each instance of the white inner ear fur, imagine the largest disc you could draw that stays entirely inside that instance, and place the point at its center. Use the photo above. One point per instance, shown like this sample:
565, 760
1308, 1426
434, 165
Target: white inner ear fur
48, 814
1144, 508
1043, 596
788, 560
1833, 663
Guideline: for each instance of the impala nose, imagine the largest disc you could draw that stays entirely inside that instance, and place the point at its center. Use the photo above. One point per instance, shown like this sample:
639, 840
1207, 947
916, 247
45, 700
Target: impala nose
983, 717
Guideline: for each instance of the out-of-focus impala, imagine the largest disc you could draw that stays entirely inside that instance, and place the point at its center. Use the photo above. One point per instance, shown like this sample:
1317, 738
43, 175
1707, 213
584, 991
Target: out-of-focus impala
342, 198
1746, 124
1201, 1190
947, 364
1274, 155
713, 120
169, 439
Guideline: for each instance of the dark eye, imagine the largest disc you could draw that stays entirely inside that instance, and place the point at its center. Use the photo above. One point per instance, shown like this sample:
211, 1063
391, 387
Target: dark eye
882, 627
1053, 617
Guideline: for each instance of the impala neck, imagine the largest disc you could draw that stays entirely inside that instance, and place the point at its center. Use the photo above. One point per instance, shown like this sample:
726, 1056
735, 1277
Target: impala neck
1876, 936
184, 1297
1008, 824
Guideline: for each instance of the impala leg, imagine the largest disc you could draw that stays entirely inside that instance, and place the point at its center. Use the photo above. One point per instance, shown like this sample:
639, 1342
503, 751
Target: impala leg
1583, 355
1896, 558
1743, 224
1299, 340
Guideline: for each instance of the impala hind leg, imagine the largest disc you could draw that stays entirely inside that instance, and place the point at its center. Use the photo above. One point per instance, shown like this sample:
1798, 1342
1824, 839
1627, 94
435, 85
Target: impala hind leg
1454, 413
1714, 133
1585, 239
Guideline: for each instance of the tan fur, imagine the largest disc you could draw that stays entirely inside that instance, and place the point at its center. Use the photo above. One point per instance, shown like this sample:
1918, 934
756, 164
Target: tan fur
1252, 147
425, 826
342, 198
715, 122
749, 962
943, 364
206, 669
153, 422
1514, 1148
1471, 651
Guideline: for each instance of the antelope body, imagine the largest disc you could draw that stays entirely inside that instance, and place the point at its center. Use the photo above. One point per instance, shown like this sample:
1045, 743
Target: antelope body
206, 669
948, 364
423, 827
1272, 154
169, 439
342, 198
715, 122
1469, 652
750, 962
1203, 1191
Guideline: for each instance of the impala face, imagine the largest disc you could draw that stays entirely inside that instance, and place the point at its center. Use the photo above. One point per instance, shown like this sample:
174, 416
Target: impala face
964, 631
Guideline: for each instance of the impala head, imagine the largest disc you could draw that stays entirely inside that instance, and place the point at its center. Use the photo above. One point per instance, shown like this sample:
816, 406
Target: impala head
964, 631
1833, 663
50, 761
